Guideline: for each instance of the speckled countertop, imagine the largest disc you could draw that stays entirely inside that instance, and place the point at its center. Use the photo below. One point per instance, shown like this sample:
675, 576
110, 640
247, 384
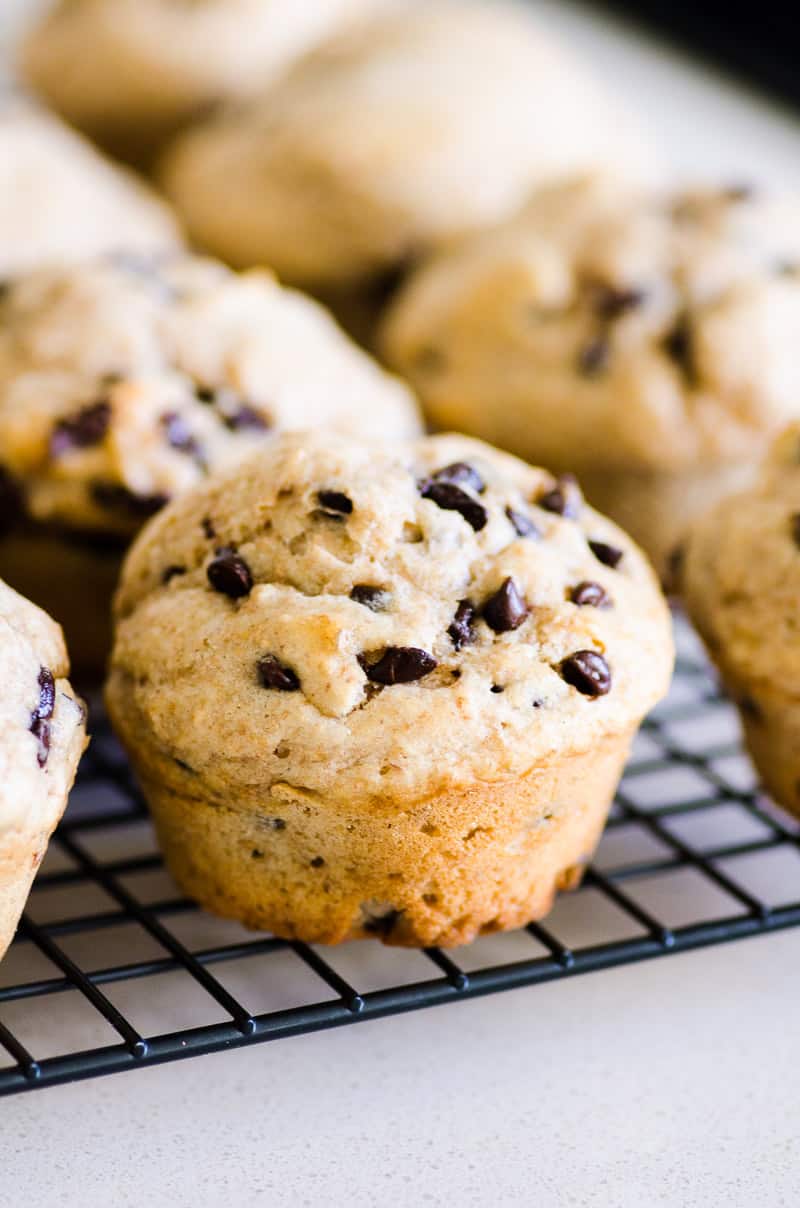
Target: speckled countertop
670, 1083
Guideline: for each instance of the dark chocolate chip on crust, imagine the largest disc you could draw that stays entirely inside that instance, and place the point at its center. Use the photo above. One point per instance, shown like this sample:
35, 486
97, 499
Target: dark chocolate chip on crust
117, 498
565, 498
40, 718
230, 575
461, 630
794, 528
397, 665
590, 594
522, 525
612, 301
609, 555
272, 673
335, 502
207, 525
377, 599
678, 344
461, 473
85, 428
506, 609
178, 433
588, 672
451, 498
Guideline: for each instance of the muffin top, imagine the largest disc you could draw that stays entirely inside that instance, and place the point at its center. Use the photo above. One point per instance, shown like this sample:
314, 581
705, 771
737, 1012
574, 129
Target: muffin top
741, 575
427, 121
609, 328
125, 381
372, 622
155, 63
42, 730
60, 201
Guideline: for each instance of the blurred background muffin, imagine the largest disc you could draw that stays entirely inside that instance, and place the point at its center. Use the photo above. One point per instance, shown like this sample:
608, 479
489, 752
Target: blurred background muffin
131, 72
424, 123
62, 201
125, 381
647, 342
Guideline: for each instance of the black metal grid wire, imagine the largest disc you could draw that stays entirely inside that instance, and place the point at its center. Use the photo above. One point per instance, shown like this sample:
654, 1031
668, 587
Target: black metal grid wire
684, 814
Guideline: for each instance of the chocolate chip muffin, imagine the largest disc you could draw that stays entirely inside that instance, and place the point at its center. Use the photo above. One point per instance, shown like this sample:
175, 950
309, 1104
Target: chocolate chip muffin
741, 580
647, 342
42, 735
125, 381
60, 201
391, 695
429, 120
131, 72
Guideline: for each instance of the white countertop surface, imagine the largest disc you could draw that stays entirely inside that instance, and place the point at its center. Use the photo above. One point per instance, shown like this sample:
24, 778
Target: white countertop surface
667, 1083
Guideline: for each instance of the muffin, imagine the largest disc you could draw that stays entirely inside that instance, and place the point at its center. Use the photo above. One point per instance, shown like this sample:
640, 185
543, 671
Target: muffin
647, 342
60, 201
392, 695
42, 735
428, 121
741, 580
123, 382
156, 65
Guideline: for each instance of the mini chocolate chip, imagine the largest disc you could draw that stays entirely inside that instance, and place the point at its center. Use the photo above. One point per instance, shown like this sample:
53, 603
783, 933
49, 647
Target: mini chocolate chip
461, 630
178, 433
587, 671
12, 508
588, 593
82, 430
451, 498
794, 526
611, 302
678, 344
377, 599
255, 854
205, 394
461, 473
565, 498
594, 357
398, 665
522, 525
609, 555
207, 525
506, 609
172, 572
184, 766
335, 501
273, 674
115, 497
230, 575
263, 823
40, 718
497, 688
318, 862
246, 418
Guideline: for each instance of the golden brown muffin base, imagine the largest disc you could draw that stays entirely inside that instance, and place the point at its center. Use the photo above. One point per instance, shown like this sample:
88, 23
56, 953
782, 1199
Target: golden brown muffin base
74, 582
656, 509
469, 860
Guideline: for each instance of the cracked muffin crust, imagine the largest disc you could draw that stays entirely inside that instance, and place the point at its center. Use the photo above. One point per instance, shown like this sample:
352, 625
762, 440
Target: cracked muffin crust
42, 735
428, 121
60, 201
646, 342
741, 581
157, 64
124, 382
383, 690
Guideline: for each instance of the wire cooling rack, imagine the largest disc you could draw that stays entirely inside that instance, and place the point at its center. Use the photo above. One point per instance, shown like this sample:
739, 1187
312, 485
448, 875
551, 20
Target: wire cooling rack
111, 970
